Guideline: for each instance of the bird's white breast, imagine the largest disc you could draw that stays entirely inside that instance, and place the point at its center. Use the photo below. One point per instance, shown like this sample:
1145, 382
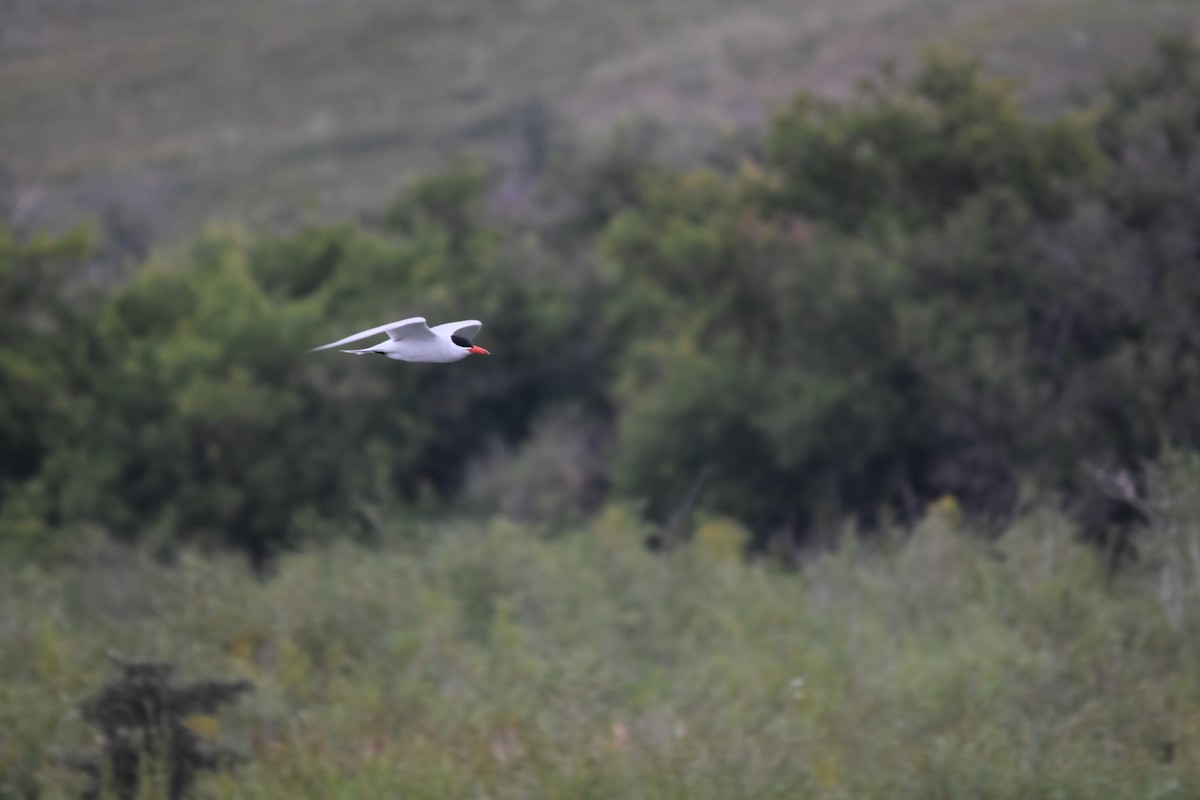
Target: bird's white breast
440, 351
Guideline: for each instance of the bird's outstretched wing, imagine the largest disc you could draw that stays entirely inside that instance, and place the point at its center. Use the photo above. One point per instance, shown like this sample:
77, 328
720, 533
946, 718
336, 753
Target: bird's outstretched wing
411, 328
465, 328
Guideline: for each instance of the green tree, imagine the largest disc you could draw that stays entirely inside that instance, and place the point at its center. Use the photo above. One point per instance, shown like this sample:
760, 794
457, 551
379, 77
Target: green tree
43, 308
923, 292
912, 152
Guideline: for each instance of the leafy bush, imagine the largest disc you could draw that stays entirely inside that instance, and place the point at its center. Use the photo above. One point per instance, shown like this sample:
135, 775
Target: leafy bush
194, 412
485, 660
912, 152
918, 292
146, 731
921, 292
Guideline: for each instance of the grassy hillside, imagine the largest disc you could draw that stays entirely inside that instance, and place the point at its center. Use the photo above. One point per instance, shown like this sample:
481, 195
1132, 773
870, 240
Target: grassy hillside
488, 662
169, 113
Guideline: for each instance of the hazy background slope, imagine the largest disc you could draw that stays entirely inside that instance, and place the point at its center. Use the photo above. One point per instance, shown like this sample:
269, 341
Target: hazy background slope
164, 114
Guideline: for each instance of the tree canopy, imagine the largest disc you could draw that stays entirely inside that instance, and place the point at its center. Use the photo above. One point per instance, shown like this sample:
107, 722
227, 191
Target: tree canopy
917, 292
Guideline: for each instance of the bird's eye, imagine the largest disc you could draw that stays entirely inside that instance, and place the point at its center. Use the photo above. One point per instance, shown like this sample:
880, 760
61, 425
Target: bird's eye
460, 341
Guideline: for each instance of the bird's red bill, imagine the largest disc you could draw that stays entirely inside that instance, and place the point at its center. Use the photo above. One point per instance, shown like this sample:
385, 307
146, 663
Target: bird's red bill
477, 350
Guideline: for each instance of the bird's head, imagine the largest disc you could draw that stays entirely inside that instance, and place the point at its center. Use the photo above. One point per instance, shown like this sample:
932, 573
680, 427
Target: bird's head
470, 348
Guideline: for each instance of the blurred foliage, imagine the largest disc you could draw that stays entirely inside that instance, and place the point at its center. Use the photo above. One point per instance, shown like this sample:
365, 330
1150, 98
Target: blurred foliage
483, 661
189, 408
151, 733
912, 151
919, 292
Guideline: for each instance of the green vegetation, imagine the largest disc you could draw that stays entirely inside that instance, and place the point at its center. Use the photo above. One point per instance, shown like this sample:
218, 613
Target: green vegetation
485, 661
148, 738
920, 292
858, 462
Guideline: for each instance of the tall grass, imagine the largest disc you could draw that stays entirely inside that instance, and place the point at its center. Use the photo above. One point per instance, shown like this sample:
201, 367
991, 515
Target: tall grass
489, 662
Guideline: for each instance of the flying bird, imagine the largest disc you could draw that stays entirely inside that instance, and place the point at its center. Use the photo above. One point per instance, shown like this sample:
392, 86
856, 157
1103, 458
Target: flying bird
413, 340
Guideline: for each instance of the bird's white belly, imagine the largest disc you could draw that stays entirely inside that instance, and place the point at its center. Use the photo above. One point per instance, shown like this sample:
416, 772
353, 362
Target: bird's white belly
440, 352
